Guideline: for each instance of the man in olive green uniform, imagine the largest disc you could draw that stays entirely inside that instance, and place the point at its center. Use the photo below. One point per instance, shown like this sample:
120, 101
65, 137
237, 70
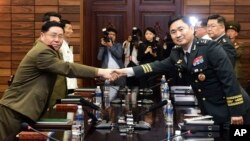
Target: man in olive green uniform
27, 97
210, 73
232, 31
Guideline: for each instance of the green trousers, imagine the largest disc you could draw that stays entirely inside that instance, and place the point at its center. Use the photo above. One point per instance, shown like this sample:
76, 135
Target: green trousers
10, 124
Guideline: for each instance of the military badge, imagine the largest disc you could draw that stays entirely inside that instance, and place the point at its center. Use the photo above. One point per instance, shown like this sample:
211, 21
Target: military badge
179, 61
201, 76
198, 60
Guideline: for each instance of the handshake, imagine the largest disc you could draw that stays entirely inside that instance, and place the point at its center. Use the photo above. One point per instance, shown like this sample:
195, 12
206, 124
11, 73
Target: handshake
111, 74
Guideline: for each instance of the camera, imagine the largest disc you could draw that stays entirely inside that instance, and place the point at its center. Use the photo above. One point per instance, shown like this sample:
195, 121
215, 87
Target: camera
106, 35
155, 43
134, 34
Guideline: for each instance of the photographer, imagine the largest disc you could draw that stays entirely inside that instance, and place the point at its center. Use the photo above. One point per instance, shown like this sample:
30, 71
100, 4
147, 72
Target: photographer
149, 51
110, 53
130, 47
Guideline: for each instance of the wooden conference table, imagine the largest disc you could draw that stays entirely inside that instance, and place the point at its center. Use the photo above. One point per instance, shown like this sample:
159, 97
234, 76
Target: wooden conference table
154, 118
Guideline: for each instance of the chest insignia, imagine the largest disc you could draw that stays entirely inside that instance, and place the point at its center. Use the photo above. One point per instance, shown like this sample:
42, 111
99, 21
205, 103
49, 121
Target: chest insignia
201, 76
198, 60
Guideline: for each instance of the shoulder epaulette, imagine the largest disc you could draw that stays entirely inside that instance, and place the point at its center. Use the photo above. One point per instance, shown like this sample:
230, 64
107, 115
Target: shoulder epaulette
202, 41
224, 40
176, 46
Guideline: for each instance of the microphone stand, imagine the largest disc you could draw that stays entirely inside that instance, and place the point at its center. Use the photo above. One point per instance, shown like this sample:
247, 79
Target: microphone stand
27, 126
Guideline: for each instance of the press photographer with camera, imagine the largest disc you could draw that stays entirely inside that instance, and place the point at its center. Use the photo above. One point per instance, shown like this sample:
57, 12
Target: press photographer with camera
130, 47
149, 51
110, 53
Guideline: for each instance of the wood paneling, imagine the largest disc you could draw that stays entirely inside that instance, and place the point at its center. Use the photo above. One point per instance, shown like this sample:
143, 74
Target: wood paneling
23, 33
5, 25
225, 9
69, 2
21, 48
22, 25
5, 72
242, 9
23, 2
22, 9
242, 2
197, 9
5, 2
5, 9
22, 17
44, 9
197, 2
5, 41
46, 2
5, 17
222, 2
5, 48
4, 65
5, 33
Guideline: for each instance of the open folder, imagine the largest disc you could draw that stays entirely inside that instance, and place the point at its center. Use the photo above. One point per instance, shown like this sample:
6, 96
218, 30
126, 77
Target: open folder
54, 121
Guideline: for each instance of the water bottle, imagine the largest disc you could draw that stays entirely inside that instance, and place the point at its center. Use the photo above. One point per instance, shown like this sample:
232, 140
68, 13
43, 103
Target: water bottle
163, 81
78, 126
169, 119
106, 93
169, 132
106, 101
98, 102
106, 87
98, 95
165, 93
169, 113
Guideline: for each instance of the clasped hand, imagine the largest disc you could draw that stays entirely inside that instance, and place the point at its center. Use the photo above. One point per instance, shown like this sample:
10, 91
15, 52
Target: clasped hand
111, 74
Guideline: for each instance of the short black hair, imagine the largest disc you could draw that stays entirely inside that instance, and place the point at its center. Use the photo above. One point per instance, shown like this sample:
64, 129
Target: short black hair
151, 29
46, 16
176, 18
111, 29
47, 25
64, 22
220, 19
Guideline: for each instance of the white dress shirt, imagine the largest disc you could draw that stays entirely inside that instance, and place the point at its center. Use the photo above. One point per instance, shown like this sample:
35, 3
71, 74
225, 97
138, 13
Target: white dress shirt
67, 53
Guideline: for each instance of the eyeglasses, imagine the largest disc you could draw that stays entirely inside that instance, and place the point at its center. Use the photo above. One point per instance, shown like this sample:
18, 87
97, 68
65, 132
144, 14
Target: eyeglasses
212, 26
54, 36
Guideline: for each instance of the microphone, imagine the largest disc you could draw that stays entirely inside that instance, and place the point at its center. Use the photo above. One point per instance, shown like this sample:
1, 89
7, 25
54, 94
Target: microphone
158, 84
188, 132
154, 107
26, 126
81, 101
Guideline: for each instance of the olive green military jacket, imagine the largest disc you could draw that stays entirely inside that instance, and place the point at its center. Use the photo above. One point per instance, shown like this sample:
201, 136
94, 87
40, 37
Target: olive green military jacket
35, 78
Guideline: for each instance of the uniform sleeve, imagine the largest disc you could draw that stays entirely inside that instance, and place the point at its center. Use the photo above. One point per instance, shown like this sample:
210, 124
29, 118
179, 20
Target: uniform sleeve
225, 73
48, 61
156, 67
